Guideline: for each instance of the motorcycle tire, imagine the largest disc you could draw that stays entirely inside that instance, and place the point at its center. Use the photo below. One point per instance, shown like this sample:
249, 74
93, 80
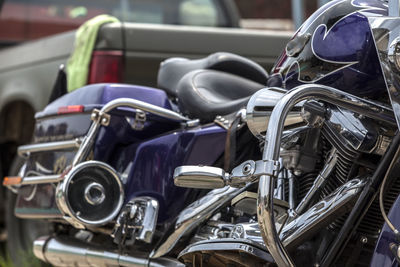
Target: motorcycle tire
20, 232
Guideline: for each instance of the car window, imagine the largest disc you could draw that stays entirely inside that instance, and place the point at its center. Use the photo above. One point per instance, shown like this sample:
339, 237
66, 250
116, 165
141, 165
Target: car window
22, 20
198, 12
143, 11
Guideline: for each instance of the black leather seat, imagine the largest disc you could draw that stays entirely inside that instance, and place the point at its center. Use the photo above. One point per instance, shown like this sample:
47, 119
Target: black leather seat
204, 94
172, 70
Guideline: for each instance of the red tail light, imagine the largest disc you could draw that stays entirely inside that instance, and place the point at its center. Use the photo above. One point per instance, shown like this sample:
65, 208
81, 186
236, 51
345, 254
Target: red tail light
71, 109
106, 67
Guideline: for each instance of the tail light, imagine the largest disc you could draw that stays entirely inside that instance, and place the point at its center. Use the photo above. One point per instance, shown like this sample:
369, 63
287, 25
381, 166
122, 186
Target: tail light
70, 109
106, 67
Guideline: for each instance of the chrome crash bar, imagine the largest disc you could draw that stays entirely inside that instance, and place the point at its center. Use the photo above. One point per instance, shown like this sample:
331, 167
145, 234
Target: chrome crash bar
271, 153
100, 118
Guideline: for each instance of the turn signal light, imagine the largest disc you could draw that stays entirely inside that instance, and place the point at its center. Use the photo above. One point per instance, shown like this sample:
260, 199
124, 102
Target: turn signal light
12, 180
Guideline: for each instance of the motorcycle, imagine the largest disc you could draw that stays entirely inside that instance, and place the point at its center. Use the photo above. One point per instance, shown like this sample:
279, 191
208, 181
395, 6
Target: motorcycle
301, 172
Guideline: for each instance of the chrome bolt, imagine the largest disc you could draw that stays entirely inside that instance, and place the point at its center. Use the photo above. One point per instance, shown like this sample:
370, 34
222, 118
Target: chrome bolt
95, 194
297, 172
133, 211
364, 240
246, 168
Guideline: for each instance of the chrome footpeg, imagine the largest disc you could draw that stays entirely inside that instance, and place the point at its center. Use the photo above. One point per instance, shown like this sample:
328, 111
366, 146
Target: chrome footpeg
211, 177
200, 177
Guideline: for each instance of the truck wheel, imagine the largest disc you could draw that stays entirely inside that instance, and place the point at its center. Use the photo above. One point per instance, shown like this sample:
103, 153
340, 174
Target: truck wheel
21, 233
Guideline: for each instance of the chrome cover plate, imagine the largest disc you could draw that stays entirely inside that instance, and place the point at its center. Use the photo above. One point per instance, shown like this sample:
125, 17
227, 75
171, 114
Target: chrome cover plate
259, 109
222, 250
321, 213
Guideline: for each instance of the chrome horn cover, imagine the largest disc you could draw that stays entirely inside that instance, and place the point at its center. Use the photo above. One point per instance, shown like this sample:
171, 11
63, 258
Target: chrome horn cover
259, 110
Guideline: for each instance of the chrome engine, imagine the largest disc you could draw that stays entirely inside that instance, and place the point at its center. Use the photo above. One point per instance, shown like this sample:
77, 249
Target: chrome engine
323, 171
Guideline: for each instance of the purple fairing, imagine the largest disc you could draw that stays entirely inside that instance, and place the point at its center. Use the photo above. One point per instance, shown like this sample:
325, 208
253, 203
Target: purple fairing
148, 166
382, 256
335, 47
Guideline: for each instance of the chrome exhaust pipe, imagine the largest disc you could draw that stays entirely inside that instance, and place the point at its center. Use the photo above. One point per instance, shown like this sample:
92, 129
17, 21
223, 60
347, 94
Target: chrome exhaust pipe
65, 251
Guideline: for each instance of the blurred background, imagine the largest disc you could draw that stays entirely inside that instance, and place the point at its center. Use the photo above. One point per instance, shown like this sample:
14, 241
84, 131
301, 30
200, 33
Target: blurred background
28, 72
23, 20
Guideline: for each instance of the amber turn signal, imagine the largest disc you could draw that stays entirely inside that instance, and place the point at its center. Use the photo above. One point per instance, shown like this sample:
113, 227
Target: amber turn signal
12, 180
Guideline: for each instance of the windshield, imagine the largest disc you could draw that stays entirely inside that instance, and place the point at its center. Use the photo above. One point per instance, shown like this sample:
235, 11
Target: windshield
386, 32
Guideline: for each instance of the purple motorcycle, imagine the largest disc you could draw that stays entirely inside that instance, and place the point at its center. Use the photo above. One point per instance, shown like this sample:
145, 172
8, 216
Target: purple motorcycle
227, 165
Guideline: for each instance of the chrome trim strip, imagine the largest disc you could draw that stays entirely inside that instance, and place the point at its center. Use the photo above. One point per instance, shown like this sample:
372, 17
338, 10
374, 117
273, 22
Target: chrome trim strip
271, 153
34, 216
45, 179
25, 150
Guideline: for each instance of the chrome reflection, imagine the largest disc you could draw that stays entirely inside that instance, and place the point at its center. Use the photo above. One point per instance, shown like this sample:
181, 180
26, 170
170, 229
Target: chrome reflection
259, 109
65, 251
386, 32
321, 213
265, 209
249, 231
195, 214
226, 252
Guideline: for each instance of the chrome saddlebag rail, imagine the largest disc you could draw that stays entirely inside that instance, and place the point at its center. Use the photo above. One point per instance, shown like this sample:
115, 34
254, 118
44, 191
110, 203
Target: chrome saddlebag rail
26, 150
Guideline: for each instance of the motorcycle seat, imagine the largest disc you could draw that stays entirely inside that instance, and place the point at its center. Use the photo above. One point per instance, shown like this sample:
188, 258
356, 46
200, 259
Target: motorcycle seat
172, 70
204, 94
